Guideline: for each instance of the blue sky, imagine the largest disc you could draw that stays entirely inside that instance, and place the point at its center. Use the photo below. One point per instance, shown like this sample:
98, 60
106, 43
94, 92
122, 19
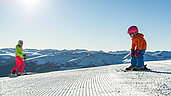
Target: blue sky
84, 24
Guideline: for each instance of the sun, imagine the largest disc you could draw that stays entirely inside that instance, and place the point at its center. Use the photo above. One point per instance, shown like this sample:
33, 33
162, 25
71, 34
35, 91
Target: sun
30, 3
29, 6
28, 9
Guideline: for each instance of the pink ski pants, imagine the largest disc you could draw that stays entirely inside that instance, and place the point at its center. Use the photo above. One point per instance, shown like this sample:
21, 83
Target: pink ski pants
18, 62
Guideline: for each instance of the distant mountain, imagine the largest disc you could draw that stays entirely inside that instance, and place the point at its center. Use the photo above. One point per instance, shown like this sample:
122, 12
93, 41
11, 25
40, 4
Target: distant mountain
43, 60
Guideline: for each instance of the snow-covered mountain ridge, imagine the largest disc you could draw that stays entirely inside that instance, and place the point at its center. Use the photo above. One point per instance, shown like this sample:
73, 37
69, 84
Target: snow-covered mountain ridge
52, 59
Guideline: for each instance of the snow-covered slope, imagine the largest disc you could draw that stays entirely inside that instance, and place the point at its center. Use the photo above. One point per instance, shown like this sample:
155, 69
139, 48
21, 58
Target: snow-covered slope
96, 81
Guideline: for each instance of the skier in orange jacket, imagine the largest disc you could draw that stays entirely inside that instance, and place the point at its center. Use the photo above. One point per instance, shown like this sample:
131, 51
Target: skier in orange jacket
139, 46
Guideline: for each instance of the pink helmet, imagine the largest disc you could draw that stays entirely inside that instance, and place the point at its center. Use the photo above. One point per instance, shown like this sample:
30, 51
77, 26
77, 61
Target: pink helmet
133, 29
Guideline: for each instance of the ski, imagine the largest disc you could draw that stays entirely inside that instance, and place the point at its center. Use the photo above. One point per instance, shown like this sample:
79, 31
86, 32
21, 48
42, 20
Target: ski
29, 73
123, 70
145, 69
25, 73
13, 75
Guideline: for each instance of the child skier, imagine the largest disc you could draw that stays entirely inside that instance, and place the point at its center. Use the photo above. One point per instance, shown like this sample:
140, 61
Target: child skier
18, 56
138, 49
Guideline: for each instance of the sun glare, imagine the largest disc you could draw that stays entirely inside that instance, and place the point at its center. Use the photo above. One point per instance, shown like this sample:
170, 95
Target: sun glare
30, 2
28, 9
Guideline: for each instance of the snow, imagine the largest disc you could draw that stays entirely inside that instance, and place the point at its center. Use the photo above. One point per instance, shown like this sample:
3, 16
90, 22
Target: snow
53, 59
6, 56
55, 56
95, 81
72, 59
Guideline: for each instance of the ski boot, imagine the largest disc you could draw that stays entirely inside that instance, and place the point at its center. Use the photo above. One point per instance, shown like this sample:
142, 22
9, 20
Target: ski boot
138, 68
141, 68
13, 73
20, 74
130, 68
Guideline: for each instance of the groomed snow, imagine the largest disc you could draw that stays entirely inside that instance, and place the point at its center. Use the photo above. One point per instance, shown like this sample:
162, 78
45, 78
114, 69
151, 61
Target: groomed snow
97, 81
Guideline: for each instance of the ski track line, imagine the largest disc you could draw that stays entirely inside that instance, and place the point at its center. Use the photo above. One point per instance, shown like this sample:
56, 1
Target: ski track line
28, 84
67, 87
120, 87
147, 84
51, 92
97, 85
39, 81
98, 81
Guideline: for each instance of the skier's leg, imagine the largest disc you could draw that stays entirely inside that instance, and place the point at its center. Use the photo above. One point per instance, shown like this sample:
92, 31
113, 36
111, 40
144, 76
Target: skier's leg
140, 59
133, 63
17, 65
134, 60
22, 65
22, 68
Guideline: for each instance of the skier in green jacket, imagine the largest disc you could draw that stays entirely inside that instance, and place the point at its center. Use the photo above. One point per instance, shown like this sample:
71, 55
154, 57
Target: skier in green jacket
19, 59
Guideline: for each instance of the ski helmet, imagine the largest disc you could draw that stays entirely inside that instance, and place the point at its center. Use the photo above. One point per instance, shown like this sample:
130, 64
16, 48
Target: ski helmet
19, 41
133, 29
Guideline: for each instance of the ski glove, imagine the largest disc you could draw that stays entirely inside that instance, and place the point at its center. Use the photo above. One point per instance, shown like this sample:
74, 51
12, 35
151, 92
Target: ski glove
132, 52
137, 53
24, 56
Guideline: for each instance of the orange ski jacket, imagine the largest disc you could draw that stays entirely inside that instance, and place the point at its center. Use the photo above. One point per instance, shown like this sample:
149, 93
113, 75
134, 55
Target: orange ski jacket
139, 42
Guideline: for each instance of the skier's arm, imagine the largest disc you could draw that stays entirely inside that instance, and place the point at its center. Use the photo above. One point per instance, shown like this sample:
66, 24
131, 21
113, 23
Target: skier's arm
18, 52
